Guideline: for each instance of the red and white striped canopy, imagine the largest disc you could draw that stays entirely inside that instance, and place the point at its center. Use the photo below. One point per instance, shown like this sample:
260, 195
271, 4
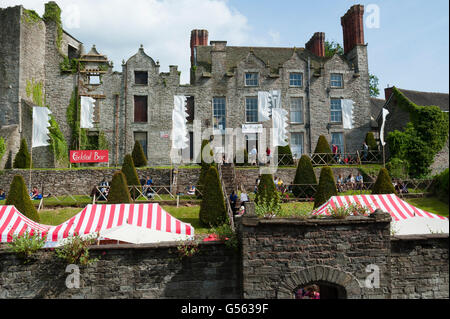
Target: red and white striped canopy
95, 218
12, 222
399, 209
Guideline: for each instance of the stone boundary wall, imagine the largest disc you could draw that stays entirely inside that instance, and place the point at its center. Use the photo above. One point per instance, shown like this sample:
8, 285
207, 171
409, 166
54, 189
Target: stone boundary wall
149, 272
420, 267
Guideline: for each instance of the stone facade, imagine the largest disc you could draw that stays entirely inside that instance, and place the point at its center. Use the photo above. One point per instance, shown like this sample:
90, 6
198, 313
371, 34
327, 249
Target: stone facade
218, 70
356, 257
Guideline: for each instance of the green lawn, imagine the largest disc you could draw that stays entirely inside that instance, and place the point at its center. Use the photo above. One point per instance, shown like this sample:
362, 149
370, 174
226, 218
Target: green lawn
431, 205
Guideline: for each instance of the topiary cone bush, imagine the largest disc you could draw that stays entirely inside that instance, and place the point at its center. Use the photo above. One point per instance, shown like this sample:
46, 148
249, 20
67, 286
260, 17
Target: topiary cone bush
138, 155
213, 211
383, 184
323, 147
18, 196
266, 189
131, 175
118, 192
205, 167
371, 143
22, 159
285, 156
304, 176
326, 188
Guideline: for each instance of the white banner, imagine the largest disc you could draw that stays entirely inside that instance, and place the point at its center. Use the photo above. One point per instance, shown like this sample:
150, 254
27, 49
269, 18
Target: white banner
87, 112
385, 114
179, 134
41, 118
279, 130
263, 106
347, 114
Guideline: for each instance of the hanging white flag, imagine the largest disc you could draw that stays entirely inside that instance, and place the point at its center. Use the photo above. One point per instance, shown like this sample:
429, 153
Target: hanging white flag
279, 128
385, 114
179, 134
87, 112
275, 99
263, 106
41, 118
347, 114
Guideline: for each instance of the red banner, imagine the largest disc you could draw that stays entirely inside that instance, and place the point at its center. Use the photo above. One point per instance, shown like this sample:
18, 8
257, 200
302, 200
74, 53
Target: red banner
89, 156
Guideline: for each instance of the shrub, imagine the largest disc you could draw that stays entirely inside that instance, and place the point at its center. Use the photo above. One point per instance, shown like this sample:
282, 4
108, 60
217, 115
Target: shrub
323, 147
8, 164
267, 193
304, 175
440, 187
205, 167
371, 142
212, 209
76, 250
18, 196
27, 245
119, 193
131, 175
226, 234
285, 156
398, 168
326, 188
23, 158
269, 208
383, 184
2, 147
138, 155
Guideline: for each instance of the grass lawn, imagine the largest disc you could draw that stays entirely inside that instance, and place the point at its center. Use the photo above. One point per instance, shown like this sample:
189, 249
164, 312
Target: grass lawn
430, 204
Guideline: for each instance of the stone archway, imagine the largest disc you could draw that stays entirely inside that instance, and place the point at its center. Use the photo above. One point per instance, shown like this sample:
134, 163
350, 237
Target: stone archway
347, 285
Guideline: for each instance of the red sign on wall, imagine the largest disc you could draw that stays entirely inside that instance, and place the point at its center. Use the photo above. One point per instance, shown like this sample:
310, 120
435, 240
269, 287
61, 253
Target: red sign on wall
89, 156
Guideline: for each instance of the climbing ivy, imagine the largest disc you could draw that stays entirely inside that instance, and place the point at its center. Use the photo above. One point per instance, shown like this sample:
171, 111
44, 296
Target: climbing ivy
2, 147
53, 13
58, 144
423, 137
30, 16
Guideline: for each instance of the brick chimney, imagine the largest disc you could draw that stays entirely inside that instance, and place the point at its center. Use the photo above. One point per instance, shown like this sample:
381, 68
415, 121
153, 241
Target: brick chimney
353, 27
198, 37
317, 44
387, 93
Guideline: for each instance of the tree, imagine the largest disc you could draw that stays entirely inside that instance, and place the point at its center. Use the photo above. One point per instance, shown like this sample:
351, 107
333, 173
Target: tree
304, 175
326, 188
118, 192
23, 158
332, 48
373, 86
371, 143
383, 184
131, 175
138, 155
322, 148
18, 196
206, 164
213, 211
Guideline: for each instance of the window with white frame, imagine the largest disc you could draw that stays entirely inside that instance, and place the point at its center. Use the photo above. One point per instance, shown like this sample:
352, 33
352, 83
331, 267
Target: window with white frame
219, 113
336, 111
337, 80
296, 110
296, 79
251, 109
338, 140
297, 145
251, 79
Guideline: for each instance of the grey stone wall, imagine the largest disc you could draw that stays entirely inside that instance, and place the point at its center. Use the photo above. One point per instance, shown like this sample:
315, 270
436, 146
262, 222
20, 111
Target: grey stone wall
419, 267
147, 272
11, 135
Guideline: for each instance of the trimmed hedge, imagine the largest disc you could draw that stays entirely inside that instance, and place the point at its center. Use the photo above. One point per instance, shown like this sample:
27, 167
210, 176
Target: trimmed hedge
323, 147
18, 196
213, 211
326, 188
138, 155
22, 160
304, 175
371, 142
285, 156
383, 184
205, 167
440, 186
118, 192
131, 175
266, 189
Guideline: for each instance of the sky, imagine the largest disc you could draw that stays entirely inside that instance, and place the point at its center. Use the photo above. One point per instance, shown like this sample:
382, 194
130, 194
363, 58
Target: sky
408, 40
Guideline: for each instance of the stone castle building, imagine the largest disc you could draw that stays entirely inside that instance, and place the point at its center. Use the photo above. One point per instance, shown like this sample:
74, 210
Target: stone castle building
40, 61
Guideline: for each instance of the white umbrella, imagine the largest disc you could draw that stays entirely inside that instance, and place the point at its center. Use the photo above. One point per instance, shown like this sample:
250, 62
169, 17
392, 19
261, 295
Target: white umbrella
140, 235
420, 226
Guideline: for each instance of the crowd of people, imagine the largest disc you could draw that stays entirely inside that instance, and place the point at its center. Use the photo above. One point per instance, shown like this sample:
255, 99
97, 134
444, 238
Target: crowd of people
238, 202
309, 292
349, 183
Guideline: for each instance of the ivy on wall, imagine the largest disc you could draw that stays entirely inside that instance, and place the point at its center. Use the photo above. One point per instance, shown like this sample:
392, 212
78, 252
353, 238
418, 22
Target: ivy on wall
53, 13
2, 147
423, 137
58, 144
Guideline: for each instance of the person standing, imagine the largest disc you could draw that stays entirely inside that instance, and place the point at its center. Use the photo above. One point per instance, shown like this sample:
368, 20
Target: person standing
254, 155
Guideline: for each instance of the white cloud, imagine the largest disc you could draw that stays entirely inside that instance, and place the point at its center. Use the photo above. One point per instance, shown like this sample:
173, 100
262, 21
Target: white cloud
119, 27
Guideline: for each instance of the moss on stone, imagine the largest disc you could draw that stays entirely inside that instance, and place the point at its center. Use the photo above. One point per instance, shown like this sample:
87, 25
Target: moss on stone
53, 14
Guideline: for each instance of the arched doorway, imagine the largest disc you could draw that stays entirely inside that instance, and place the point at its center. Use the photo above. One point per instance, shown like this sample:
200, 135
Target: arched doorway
320, 290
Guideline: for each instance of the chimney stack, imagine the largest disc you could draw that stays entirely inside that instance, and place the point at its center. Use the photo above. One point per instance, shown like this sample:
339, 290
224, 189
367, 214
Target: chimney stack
353, 27
317, 44
198, 37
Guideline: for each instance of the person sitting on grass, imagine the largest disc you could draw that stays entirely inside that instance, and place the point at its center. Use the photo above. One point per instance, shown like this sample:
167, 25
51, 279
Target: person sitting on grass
359, 181
35, 194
